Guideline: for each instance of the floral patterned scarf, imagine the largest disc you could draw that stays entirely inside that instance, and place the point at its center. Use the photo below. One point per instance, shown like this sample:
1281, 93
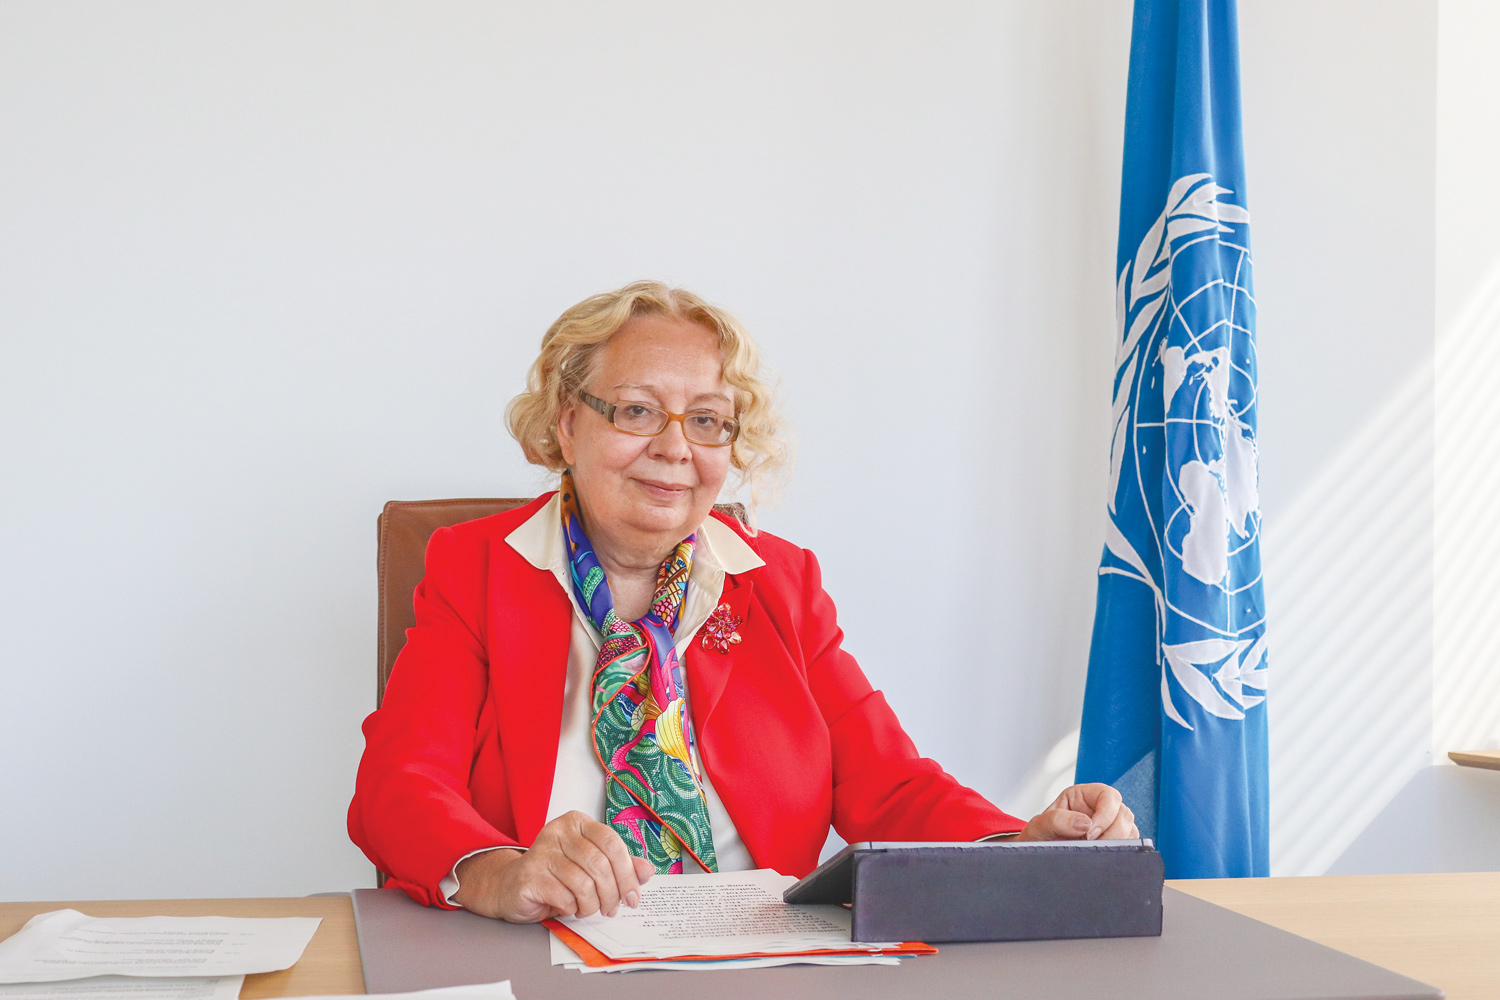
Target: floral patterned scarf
642, 735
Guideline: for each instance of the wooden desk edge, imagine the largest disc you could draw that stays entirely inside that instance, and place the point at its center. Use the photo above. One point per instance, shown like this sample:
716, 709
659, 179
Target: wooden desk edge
1437, 928
1476, 758
329, 966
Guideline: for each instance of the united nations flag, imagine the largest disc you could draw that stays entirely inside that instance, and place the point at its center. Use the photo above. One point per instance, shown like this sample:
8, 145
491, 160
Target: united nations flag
1174, 713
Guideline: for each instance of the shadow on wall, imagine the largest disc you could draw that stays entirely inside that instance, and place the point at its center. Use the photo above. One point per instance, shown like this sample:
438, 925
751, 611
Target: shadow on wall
1045, 781
1420, 831
1348, 569
1466, 561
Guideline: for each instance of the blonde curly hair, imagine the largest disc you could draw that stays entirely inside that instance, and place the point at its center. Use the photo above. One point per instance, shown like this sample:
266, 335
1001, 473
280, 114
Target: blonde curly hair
570, 350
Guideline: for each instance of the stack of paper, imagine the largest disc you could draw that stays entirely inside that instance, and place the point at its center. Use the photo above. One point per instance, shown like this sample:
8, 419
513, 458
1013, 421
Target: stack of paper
567, 958
128, 988
484, 991
66, 954
221, 988
719, 921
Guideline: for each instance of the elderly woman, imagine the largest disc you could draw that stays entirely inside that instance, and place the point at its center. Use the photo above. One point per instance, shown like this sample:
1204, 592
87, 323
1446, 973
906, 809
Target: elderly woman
616, 679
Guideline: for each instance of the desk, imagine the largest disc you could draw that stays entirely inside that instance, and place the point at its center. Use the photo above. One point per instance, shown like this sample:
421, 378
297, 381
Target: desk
330, 965
1441, 929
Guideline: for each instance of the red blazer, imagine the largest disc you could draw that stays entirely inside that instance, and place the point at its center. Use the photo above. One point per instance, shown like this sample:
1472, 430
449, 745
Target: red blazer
460, 755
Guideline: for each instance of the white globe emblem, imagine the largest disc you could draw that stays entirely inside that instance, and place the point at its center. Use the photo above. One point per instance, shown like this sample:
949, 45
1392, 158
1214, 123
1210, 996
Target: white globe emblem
1185, 397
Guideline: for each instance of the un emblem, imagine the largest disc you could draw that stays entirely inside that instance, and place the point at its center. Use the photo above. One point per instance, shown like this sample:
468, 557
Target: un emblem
1184, 503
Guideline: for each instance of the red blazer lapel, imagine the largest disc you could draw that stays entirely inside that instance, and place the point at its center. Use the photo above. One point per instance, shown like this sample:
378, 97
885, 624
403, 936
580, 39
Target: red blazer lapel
708, 669
530, 624
724, 734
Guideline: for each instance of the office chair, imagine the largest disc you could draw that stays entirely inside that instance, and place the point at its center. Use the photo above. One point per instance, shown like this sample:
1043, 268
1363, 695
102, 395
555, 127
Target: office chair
403, 528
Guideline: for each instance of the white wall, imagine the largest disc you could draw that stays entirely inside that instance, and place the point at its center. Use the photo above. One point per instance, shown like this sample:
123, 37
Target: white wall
1339, 131
268, 265
1466, 666
1374, 146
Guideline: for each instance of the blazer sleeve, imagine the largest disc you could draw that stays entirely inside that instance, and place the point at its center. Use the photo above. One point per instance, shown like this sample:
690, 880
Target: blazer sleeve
412, 813
883, 789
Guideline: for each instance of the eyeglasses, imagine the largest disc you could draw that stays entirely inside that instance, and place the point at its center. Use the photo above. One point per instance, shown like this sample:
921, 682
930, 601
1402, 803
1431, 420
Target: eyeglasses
647, 421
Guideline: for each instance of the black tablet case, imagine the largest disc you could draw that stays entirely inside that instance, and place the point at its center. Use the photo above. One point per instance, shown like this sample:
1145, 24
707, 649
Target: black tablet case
992, 892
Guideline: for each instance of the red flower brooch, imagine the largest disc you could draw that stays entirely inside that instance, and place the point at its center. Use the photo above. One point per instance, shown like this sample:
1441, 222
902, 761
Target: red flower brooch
719, 631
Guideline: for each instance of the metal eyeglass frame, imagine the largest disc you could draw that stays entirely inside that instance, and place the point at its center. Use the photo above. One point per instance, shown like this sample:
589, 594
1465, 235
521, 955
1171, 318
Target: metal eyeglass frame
607, 411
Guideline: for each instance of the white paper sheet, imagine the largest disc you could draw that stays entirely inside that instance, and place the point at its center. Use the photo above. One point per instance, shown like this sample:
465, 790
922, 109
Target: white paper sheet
128, 988
482, 991
717, 914
742, 963
66, 944
567, 958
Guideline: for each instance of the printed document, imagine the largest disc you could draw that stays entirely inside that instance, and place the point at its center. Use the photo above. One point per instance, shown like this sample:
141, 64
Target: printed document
567, 958
739, 913
128, 988
66, 944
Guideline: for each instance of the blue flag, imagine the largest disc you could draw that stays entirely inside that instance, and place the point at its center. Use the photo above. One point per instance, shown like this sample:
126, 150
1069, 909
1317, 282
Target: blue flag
1174, 712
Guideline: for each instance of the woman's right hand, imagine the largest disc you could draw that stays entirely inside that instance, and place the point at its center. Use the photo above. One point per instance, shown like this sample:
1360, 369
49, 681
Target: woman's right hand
576, 867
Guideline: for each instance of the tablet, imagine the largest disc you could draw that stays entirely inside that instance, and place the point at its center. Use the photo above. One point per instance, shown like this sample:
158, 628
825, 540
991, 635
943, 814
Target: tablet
833, 880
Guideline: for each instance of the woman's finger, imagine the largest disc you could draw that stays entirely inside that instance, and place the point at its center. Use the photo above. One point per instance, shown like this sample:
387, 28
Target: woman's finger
1059, 824
627, 886
1106, 805
579, 882
1123, 828
542, 896
587, 855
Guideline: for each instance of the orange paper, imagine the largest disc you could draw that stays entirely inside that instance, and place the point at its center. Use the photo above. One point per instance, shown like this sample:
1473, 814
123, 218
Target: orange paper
596, 959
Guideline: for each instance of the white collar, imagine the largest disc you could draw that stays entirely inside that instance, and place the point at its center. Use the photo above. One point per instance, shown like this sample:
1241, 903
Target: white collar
539, 540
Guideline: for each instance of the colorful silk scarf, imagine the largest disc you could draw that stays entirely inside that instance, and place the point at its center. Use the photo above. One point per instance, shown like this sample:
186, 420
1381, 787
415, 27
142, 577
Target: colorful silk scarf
642, 735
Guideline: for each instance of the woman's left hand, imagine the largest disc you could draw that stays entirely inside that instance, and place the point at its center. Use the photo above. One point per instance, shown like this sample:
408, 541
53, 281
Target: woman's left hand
1083, 812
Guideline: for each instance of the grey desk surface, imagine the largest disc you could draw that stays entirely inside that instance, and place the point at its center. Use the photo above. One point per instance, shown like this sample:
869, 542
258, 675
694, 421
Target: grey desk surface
1205, 951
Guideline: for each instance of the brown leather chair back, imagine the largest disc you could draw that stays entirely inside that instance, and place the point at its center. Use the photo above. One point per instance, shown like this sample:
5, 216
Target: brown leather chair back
403, 528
